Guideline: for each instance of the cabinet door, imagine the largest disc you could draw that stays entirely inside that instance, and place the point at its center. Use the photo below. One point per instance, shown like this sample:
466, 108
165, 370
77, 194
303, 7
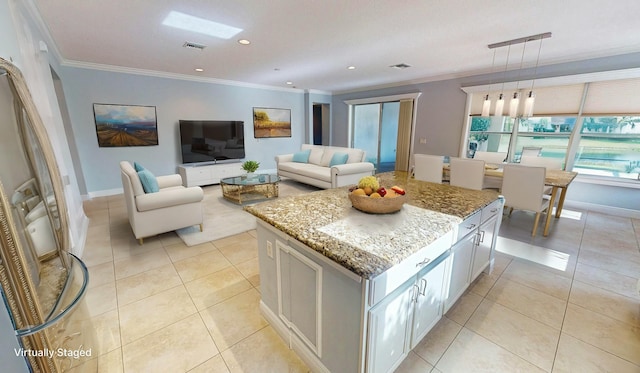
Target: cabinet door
300, 295
459, 269
388, 328
428, 302
484, 244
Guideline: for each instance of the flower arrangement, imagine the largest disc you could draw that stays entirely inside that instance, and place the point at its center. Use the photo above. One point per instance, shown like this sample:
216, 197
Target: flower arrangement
250, 166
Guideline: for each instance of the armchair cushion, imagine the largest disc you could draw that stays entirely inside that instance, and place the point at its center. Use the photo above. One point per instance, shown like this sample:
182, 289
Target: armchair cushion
168, 198
137, 166
149, 182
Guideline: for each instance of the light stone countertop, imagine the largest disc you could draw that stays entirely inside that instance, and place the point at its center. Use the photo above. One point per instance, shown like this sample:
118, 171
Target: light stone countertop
369, 244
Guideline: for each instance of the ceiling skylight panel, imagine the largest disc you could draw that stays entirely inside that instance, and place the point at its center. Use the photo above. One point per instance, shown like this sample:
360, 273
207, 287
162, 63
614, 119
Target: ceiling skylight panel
200, 25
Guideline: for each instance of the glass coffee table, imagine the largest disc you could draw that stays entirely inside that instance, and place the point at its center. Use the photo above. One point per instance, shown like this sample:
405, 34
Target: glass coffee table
245, 188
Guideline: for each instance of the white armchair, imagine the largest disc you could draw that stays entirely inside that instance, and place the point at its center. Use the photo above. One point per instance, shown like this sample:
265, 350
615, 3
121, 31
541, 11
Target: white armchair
172, 207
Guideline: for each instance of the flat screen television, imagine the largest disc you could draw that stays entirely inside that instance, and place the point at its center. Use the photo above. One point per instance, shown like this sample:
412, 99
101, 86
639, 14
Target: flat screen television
211, 140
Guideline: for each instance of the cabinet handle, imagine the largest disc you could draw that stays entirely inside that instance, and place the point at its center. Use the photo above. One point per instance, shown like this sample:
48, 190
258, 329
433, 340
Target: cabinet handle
481, 236
470, 226
424, 262
423, 291
414, 297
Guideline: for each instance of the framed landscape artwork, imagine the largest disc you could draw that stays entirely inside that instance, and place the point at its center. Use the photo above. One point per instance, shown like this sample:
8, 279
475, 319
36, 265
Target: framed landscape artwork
271, 122
125, 125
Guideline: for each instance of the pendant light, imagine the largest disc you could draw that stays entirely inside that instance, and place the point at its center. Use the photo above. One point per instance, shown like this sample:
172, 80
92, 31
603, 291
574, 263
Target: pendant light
531, 97
486, 105
515, 101
500, 103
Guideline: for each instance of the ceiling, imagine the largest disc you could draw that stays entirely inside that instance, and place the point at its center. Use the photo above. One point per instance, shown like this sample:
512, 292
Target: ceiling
310, 43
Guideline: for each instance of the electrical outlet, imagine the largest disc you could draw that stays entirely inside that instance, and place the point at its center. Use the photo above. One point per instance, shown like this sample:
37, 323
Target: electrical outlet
269, 250
423, 140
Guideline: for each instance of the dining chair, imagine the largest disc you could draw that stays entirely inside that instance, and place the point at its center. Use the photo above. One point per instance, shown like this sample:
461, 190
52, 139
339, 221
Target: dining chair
546, 162
522, 188
495, 158
428, 167
466, 173
530, 151
491, 157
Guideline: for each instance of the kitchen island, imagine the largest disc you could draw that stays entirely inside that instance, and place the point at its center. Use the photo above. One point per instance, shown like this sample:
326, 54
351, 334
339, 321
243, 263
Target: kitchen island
355, 292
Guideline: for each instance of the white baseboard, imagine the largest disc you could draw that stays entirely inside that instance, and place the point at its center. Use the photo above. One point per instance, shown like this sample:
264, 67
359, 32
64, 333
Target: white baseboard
78, 248
610, 210
102, 193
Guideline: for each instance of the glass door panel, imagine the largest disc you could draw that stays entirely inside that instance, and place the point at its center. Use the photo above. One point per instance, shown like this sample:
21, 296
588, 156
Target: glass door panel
366, 130
389, 136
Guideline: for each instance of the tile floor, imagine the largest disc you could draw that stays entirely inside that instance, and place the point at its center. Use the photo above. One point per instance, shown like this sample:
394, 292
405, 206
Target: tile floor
558, 304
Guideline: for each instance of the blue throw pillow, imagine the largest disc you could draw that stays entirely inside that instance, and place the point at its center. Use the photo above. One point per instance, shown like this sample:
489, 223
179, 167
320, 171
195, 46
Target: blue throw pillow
137, 167
149, 182
302, 156
338, 158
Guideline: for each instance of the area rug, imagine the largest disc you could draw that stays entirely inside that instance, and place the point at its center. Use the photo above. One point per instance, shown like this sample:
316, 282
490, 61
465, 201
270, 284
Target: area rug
223, 218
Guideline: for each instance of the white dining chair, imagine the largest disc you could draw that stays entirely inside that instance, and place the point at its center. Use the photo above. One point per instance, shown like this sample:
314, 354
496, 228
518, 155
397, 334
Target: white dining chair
466, 173
546, 162
494, 158
533, 151
522, 188
428, 167
491, 157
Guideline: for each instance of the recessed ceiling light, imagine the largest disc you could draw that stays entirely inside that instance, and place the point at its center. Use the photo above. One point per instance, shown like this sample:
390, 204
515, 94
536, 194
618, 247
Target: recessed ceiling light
351, 67
199, 69
200, 25
289, 83
244, 42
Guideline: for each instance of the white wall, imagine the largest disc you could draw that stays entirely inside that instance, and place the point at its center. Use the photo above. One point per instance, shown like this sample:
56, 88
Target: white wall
174, 100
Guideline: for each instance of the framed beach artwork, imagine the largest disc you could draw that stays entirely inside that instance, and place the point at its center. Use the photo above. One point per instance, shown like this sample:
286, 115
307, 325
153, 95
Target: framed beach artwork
125, 125
271, 122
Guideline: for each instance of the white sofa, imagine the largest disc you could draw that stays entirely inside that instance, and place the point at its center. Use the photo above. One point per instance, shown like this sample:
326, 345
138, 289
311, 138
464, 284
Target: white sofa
317, 170
172, 207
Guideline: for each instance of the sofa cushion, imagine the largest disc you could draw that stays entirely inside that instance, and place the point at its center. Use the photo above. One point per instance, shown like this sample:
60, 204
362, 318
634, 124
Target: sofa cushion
302, 156
338, 158
307, 169
149, 182
315, 157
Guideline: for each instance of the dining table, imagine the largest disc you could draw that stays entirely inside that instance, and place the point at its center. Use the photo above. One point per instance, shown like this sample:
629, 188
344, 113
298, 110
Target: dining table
558, 180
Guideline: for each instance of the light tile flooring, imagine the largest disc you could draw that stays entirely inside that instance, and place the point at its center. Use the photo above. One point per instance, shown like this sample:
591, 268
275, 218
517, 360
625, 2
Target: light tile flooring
566, 303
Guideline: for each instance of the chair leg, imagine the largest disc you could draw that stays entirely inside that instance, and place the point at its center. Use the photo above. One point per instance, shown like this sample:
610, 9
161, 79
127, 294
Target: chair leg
201, 227
535, 224
510, 211
140, 241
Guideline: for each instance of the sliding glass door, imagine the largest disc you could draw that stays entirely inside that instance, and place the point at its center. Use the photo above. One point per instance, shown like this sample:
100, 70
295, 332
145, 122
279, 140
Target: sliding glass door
375, 130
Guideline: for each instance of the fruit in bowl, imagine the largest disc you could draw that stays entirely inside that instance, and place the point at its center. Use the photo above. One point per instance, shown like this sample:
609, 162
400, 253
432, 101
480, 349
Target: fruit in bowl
369, 196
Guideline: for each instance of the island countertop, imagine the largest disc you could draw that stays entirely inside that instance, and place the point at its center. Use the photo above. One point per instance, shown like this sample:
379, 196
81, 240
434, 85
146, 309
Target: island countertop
368, 244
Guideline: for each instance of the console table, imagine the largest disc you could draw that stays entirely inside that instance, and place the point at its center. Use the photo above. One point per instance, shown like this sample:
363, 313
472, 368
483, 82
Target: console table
206, 174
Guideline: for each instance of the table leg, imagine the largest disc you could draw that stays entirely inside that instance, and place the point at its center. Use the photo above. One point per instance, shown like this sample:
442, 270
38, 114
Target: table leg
563, 193
552, 201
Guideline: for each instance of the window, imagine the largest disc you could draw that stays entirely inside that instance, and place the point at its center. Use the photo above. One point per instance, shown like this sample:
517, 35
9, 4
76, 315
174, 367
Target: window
609, 146
551, 134
489, 134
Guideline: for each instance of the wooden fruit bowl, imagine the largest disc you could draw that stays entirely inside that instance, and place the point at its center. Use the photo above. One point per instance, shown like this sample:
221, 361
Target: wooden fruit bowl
377, 205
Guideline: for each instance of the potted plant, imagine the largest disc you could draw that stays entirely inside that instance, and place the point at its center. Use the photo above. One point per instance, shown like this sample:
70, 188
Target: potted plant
250, 166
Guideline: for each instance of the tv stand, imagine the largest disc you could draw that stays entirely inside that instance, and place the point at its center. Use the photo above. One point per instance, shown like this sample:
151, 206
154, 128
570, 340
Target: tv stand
198, 174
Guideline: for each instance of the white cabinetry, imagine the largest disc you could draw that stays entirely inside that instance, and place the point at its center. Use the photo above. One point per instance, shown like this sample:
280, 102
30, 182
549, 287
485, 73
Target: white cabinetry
196, 175
299, 281
402, 319
459, 269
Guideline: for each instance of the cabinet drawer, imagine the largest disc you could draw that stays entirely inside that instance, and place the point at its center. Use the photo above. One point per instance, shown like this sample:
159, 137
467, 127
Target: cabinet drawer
490, 210
390, 280
469, 225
